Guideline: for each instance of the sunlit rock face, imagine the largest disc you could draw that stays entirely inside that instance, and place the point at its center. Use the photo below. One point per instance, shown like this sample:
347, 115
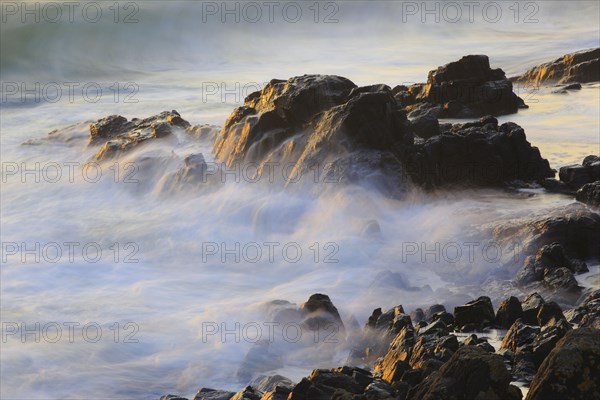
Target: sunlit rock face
582, 66
462, 89
318, 122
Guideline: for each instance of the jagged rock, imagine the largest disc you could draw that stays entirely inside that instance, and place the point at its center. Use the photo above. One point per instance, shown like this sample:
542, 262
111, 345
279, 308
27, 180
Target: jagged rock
560, 278
212, 394
119, 135
312, 121
582, 66
172, 397
436, 308
379, 390
468, 88
269, 383
571, 369
471, 373
478, 153
548, 311
589, 194
248, 393
508, 312
520, 337
395, 362
587, 313
531, 307
437, 327
475, 314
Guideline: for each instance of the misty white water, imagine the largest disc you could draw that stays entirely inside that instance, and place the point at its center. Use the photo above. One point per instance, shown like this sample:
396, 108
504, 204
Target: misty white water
171, 289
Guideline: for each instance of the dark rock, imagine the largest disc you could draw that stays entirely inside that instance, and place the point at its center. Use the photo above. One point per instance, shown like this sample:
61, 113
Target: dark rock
470, 88
417, 315
437, 327
323, 384
556, 186
445, 317
172, 397
320, 313
379, 390
575, 227
479, 312
582, 66
269, 383
119, 135
479, 154
395, 362
212, 394
436, 308
508, 312
573, 86
575, 176
548, 311
589, 194
547, 339
587, 313
520, 337
471, 373
426, 126
560, 278
571, 369
487, 347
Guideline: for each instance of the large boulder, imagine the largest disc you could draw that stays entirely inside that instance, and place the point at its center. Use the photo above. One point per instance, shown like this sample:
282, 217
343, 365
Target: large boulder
508, 312
312, 121
479, 153
470, 374
323, 384
468, 88
571, 369
582, 67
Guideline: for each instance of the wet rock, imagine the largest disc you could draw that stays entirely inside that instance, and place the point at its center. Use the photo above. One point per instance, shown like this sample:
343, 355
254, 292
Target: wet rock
582, 66
548, 311
436, 308
212, 394
560, 278
531, 307
395, 362
575, 227
379, 390
571, 369
313, 120
437, 327
426, 126
589, 194
478, 154
520, 337
445, 317
470, 88
248, 393
508, 312
587, 313
325, 384
547, 339
117, 135
172, 397
575, 176
471, 373
477, 313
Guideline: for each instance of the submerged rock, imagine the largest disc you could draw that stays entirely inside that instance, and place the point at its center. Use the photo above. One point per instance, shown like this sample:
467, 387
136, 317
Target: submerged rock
575, 176
582, 66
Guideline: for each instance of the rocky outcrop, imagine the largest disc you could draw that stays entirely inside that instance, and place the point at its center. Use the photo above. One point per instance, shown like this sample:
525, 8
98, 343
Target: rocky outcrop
508, 312
475, 315
582, 66
571, 369
479, 153
335, 383
117, 135
462, 89
314, 121
471, 373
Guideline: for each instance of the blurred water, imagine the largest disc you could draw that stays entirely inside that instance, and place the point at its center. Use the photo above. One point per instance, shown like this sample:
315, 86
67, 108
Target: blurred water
171, 55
